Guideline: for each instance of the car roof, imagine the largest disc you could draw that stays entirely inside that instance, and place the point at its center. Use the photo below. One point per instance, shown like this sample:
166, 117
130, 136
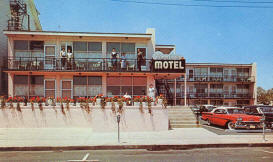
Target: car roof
225, 108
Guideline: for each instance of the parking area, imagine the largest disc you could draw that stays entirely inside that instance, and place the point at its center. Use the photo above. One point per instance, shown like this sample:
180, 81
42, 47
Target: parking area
224, 131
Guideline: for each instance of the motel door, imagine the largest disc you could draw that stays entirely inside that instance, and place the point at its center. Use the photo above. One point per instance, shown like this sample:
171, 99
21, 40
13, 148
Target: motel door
50, 88
49, 56
66, 88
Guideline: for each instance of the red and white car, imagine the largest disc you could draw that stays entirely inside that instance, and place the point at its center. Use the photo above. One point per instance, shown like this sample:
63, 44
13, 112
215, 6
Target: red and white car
232, 118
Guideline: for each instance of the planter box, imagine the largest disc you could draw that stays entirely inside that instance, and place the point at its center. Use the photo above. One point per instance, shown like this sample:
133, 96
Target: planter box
98, 101
108, 103
136, 103
160, 102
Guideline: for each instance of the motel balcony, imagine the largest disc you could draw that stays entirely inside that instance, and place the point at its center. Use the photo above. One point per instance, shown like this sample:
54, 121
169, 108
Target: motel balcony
76, 64
214, 95
221, 78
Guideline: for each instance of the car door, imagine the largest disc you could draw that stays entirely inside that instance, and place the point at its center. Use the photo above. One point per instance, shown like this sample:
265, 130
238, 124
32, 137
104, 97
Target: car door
220, 117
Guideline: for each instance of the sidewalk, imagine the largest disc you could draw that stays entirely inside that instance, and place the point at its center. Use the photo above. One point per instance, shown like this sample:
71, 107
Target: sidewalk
82, 138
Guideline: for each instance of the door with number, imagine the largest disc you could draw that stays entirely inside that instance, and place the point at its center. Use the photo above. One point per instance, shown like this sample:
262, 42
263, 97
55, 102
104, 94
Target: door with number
49, 56
66, 88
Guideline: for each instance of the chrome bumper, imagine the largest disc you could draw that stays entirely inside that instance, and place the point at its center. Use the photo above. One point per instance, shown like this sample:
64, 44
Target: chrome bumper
248, 125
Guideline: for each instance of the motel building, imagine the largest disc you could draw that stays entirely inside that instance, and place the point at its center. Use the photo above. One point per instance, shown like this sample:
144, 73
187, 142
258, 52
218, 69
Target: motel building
36, 68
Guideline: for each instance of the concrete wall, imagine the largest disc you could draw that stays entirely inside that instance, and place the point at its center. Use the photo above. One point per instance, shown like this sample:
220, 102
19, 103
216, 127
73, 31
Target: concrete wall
98, 119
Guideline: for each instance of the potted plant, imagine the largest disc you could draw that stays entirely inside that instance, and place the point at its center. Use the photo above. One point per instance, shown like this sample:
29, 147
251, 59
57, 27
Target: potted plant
98, 99
10, 102
160, 99
115, 100
90, 101
137, 101
82, 100
124, 100
3, 102
108, 101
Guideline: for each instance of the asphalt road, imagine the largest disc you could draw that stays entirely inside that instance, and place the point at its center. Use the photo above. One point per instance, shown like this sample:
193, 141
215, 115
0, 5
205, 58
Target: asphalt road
249, 154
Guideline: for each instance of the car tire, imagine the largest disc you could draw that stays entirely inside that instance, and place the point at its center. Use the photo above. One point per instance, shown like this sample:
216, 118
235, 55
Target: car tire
230, 125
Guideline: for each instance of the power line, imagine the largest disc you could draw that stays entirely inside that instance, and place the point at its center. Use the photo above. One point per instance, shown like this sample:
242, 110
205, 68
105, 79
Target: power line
194, 5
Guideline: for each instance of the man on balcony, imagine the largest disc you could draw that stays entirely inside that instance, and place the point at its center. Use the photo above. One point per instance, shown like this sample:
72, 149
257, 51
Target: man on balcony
63, 58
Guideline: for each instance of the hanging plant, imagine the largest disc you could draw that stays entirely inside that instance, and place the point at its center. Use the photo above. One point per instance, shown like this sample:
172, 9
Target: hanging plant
41, 106
113, 108
62, 108
149, 100
3, 102
18, 107
120, 106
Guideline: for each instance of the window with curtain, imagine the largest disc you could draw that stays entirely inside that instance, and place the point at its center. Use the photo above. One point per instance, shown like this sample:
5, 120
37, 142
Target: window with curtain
36, 85
21, 85
84, 86
133, 86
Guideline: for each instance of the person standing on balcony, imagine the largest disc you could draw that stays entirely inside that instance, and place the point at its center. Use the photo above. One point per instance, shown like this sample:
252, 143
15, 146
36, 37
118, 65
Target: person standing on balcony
151, 92
63, 58
69, 58
114, 58
139, 59
123, 61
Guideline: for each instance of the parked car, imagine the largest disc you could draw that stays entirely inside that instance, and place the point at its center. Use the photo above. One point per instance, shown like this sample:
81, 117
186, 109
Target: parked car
195, 109
206, 108
261, 110
232, 118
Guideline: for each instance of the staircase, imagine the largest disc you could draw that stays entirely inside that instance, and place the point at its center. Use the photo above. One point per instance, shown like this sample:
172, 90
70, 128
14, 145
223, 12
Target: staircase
181, 117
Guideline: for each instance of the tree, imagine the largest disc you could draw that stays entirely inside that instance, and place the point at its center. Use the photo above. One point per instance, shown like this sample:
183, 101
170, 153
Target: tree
263, 96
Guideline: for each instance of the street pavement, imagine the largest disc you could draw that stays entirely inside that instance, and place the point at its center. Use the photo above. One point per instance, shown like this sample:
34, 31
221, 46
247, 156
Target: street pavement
66, 137
241, 154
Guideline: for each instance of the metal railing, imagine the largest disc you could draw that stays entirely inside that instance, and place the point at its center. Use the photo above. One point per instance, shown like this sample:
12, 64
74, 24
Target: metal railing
76, 64
214, 95
222, 78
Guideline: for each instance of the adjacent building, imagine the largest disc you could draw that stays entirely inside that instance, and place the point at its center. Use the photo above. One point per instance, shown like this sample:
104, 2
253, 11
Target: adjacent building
14, 15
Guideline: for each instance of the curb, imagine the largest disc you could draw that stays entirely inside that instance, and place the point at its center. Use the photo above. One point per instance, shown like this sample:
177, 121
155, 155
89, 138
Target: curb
147, 147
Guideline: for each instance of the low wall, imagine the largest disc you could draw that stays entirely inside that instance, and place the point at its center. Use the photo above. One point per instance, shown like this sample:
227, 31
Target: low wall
98, 119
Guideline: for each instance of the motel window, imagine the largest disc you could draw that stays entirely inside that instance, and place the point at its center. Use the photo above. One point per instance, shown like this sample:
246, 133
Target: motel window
128, 47
80, 46
87, 86
32, 86
111, 45
21, 85
94, 46
134, 86
36, 85
21, 45
36, 45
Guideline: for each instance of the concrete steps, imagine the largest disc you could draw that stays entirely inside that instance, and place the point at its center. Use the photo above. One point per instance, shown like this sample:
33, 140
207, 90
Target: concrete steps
182, 117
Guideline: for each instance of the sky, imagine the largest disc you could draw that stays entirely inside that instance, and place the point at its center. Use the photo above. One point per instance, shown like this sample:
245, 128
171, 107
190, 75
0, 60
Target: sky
236, 35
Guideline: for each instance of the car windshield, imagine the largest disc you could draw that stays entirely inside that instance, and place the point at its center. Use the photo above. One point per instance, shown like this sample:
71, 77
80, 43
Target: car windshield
267, 109
236, 111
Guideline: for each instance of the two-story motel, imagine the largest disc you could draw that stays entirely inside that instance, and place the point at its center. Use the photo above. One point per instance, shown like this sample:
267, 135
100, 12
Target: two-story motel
35, 69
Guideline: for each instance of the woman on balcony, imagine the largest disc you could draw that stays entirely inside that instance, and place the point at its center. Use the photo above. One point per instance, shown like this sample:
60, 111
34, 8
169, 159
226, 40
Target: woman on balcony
114, 59
69, 58
139, 59
123, 61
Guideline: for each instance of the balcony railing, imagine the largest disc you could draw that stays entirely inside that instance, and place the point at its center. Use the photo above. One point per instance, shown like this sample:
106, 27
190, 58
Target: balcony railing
214, 95
76, 64
222, 78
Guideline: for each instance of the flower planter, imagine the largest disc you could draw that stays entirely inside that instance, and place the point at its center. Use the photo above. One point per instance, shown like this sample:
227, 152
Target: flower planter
124, 104
98, 101
136, 103
160, 101
108, 103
